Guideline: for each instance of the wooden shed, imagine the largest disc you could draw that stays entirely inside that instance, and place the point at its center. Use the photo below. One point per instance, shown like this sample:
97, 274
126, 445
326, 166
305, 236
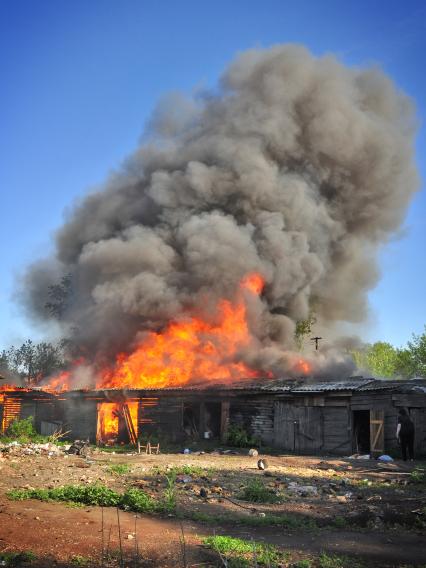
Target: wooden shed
357, 415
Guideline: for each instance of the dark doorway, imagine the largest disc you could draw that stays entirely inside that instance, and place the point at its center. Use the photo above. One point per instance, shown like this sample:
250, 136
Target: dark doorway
361, 431
212, 419
191, 420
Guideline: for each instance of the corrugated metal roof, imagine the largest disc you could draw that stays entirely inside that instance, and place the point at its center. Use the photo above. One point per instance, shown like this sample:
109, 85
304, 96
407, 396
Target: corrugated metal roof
349, 385
276, 386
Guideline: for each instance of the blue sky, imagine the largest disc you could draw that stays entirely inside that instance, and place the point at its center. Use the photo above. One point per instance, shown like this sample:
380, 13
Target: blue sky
79, 79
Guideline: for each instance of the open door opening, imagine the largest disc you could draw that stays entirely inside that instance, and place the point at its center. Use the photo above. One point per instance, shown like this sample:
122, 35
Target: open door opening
117, 423
361, 431
212, 419
191, 420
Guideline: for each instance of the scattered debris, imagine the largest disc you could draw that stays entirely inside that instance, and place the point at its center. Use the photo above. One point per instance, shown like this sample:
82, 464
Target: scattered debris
263, 464
79, 448
359, 457
303, 490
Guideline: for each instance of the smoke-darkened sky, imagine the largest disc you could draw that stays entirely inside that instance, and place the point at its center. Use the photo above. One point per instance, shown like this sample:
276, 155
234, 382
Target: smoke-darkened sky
80, 81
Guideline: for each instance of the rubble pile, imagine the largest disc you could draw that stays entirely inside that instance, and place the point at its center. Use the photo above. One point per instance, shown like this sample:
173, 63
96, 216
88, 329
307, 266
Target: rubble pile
28, 449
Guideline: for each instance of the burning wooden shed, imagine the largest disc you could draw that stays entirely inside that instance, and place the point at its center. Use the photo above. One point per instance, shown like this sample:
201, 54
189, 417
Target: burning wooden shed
21, 403
337, 418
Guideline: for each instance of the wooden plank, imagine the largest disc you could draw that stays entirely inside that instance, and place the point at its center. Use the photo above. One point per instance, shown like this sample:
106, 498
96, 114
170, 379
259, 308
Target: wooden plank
417, 400
224, 420
377, 418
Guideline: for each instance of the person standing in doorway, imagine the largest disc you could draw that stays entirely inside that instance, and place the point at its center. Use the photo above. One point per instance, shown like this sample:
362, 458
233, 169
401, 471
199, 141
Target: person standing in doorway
405, 434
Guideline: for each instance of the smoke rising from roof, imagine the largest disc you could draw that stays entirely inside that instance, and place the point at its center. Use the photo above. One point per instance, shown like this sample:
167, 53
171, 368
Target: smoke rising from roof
297, 167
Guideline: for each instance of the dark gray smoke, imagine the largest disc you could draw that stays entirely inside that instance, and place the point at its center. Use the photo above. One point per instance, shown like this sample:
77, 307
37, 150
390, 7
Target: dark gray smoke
297, 167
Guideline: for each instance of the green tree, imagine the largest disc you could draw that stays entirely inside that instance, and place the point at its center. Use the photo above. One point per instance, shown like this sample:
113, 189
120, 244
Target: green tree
417, 349
379, 358
59, 297
405, 365
33, 361
384, 360
304, 328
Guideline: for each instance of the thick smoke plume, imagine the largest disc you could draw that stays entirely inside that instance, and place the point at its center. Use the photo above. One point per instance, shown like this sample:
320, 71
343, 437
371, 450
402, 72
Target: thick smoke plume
297, 167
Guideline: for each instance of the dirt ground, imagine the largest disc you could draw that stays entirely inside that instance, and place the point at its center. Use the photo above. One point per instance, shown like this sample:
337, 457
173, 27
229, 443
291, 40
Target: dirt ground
357, 508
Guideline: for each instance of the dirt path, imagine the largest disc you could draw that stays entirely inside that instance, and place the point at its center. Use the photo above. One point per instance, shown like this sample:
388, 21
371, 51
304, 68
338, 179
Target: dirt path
59, 532
52, 529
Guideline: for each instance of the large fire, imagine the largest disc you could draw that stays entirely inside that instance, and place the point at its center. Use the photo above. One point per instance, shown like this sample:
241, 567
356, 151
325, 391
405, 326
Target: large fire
112, 422
190, 349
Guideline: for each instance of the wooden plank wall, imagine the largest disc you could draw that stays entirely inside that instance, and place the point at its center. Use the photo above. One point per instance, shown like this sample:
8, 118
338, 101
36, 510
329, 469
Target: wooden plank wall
298, 428
80, 418
161, 419
46, 410
256, 415
337, 430
418, 416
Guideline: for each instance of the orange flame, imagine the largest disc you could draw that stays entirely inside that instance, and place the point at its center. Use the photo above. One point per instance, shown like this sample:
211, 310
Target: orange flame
190, 349
60, 382
111, 420
254, 283
8, 388
107, 427
303, 367
187, 350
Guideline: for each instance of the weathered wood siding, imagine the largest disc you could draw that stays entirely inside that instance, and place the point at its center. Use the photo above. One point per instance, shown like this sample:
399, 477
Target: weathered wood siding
161, 418
256, 415
337, 430
80, 418
298, 428
418, 416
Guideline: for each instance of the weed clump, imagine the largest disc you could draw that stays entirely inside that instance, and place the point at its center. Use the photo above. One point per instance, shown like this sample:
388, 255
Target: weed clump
241, 553
138, 501
132, 500
119, 468
418, 475
238, 437
17, 558
256, 492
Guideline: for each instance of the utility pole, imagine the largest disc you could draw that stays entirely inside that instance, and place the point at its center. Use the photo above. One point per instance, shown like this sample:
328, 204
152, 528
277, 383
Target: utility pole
316, 339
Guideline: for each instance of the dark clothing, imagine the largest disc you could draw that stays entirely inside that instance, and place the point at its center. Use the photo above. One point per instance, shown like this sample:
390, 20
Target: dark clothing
407, 427
407, 443
406, 436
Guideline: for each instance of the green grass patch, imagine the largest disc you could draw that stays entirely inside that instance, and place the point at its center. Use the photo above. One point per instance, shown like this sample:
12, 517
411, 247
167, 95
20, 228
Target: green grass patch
119, 468
139, 502
339, 522
132, 500
79, 560
241, 553
302, 564
418, 475
85, 494
17, 558
256, 492
335, 561
186, 469
285, 521
122, 449
238, 437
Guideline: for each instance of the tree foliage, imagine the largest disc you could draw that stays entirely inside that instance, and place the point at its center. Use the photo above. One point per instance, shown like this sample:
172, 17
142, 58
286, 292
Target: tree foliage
59, 297
33, 361
304, 328
384, 360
